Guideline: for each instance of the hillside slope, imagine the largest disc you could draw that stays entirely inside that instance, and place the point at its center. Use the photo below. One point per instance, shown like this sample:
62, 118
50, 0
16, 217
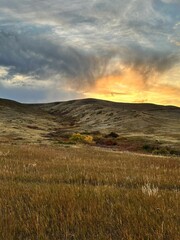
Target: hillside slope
44, 123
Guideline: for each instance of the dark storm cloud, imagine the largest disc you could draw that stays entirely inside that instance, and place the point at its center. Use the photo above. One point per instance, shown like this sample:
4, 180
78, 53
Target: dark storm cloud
77, 42
41, 59
148, 61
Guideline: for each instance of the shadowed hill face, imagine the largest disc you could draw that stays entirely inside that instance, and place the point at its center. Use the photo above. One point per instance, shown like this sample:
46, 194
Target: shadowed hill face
9, 103
45, 123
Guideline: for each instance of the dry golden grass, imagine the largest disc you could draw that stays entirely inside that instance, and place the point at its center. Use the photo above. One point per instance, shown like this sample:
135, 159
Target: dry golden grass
85, 193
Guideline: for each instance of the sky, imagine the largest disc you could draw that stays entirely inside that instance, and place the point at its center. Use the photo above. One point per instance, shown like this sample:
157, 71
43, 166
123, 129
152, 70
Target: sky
119, 50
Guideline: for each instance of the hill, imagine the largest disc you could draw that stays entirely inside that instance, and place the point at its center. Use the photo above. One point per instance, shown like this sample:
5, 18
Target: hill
137, 127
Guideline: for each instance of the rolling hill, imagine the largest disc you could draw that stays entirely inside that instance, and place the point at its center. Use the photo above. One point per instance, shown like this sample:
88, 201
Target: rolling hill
138, 126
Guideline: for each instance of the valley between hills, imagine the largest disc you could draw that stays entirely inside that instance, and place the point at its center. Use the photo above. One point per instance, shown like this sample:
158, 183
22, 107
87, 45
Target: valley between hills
123, 126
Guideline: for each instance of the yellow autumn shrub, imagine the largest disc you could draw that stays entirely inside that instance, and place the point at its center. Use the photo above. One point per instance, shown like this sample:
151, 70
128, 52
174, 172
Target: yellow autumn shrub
77, 137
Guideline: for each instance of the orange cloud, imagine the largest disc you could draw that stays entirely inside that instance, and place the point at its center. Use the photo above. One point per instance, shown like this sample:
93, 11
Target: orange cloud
131, 86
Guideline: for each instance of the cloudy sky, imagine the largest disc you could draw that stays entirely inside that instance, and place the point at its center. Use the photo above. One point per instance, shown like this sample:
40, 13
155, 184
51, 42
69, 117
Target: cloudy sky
120, 50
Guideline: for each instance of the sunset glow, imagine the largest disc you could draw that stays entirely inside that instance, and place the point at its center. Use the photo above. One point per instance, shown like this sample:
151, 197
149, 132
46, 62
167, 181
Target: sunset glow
132, 87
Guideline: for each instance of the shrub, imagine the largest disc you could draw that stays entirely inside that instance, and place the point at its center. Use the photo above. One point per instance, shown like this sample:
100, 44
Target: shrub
161, 151
158, 150
106, 141
77, 137
148, 147
112, 135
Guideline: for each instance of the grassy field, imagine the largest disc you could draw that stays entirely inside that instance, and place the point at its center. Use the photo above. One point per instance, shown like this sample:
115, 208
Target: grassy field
87, 193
